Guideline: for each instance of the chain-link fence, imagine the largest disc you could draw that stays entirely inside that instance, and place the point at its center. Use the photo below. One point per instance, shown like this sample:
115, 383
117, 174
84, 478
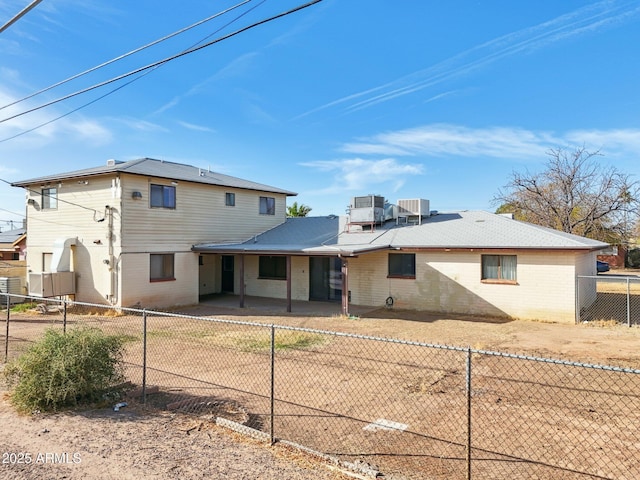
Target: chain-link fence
608, 298
405, 409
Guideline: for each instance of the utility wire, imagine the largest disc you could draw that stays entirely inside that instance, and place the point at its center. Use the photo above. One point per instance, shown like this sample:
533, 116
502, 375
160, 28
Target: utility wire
163, 61
24, 132
125, 55
21, 14
56, 197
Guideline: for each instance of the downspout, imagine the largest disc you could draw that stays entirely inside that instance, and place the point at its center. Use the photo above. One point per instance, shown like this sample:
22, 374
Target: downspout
112, 259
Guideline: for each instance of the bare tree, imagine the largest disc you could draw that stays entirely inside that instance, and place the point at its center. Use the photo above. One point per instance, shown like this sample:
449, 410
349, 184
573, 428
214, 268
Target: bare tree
575, 194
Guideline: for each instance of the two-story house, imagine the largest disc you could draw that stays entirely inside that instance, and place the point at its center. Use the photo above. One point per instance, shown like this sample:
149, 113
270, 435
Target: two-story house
123, 233
157, 234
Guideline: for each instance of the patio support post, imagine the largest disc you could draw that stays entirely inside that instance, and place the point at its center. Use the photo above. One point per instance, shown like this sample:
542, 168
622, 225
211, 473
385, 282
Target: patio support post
345, 287
288, 283
241, 281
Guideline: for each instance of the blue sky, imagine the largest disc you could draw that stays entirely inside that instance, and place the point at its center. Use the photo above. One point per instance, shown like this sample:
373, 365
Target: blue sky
411, 99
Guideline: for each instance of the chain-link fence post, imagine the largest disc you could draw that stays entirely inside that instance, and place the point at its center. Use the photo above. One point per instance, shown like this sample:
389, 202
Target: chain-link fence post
273, 383
628, 302
64, 317
469, 413
144, 356
6, 333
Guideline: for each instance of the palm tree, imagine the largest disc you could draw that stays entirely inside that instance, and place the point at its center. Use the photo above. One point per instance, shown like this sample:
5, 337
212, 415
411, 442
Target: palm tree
296, 210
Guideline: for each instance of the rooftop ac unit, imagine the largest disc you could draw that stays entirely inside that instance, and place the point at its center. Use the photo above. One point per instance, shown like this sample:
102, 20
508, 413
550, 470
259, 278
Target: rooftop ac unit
413, 207
367, 209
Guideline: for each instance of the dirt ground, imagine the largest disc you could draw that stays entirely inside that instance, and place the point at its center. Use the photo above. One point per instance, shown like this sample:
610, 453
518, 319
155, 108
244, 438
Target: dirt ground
136, 443
142, 443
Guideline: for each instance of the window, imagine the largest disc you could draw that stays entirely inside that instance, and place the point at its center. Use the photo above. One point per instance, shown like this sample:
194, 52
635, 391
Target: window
49, 198
161, 267
267, 205
163, 196
273, 267
500, 268
46, 261
230, 199
402, 265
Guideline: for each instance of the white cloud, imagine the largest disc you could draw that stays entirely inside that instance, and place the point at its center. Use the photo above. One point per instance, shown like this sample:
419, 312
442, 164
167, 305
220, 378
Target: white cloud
584, 20
444, 139
43, 127
142, 125
88, 130
237, 67
360, 175
509, 143
610, 142
197, 128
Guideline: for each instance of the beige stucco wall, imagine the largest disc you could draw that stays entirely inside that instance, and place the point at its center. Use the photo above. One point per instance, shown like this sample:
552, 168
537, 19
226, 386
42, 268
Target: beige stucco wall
81, 203
111, 258
263, 287
200, 216
137, 290
450, 282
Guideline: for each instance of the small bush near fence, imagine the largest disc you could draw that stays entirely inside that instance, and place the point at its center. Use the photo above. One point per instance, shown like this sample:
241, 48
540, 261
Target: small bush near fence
63, 370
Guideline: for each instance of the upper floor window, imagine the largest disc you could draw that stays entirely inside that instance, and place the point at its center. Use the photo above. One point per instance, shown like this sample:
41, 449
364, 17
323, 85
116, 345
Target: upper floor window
49, 198
230, 199
402, 265
163, 196
267, 205
500, 268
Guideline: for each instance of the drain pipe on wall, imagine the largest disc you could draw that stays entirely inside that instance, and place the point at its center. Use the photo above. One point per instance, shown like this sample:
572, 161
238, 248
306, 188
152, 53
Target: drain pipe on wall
111, 260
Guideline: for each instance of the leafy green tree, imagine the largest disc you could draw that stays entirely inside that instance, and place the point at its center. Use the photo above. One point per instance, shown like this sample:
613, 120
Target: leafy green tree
575, 194
295, 210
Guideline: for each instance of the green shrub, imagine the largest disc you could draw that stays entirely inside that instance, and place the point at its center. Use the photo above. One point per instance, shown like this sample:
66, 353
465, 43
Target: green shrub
63, 370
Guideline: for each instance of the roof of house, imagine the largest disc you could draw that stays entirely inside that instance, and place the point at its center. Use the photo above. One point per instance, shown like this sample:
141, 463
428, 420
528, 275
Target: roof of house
12, 237
161, 169
456, 230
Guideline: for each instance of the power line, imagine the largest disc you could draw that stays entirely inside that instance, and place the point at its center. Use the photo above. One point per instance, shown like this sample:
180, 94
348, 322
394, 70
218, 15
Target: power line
24, 132
56, 197
19, 15
163, 61
125, 55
